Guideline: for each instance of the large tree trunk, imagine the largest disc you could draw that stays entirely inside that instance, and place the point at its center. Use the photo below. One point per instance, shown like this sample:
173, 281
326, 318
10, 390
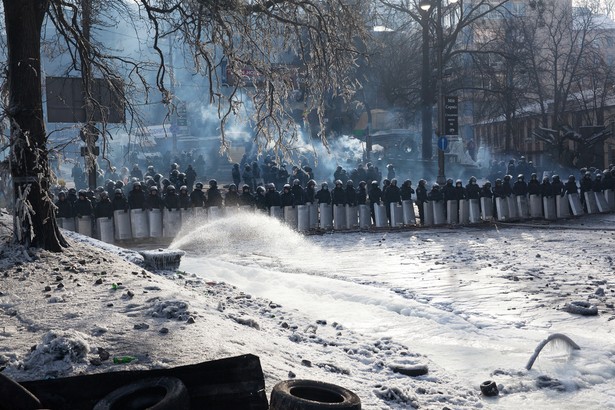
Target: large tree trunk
35, 223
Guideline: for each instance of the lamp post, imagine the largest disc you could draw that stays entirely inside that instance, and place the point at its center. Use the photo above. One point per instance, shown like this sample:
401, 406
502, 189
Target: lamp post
426, 5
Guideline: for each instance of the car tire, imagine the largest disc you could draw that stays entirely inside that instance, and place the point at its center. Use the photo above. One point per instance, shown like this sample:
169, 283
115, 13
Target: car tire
312, 395
163, 393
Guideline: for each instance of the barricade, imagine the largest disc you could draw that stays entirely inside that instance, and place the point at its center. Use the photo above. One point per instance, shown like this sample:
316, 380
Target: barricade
535, 206
214, 213
154, 218
104, 227
303, 218
438, 213
575, 204
171, 223
121, 221
522, 207
428, 219
548, 203
397, 215
380, 215
352, 217
84, 226
275, 212
486, 205
609, 195
407, 207
313, 214
67, 223
590, 202
291, 217
452, 212
365, 217
139, 223
501, 206
464, 211
562, 206
513, 214
326, 216
339, 217
601, 203
474, 211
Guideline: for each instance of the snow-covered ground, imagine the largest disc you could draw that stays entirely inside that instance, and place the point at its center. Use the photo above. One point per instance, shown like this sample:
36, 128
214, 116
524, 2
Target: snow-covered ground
475, 301
354, 309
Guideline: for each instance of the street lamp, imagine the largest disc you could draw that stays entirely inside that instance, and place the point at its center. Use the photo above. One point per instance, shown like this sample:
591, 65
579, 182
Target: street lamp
426, 5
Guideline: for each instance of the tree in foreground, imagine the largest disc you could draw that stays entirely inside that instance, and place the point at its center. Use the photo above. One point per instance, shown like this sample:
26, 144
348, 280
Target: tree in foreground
319, 35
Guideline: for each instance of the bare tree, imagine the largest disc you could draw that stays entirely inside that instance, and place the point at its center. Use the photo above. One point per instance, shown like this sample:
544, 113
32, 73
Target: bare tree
320, 35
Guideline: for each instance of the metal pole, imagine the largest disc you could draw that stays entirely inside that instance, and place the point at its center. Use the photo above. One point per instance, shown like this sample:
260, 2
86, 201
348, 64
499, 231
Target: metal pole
441, 125
426, 94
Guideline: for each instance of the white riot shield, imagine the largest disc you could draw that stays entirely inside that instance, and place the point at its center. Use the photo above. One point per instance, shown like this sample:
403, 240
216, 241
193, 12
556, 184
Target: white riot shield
303, 218
590, 203
575, 204
171, 223
365, 217
154, 218
352, 217
548, 203
231, 211
104, 227
290, 217
380, 215
474, 211
246, 209
275, 212
486, 205
139, 223
121, 221
397, 215
326, 216
313, 213
200, 216
408, 212
339, 217
535, 206
562, 206
464, 211
522, 207
452, 212
601, 203
186, 217
428, 214
438, 213
512, 208
609, 195
501, 206
84, 226
66, 223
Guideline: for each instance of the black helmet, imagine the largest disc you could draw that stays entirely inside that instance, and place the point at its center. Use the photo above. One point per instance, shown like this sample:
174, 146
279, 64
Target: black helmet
449, 181
118, 191
534, 176
296, 182
459, 182
245, 188
72, 191
407, 182
153, 188
232, 187
338, 182
213, 183
507, 177
374, 183
349, 182
472, 180
571, 178
520, 177
362, 184
498, 181
198, 185
311, 182
555, 178
183, 188
136, 184
435, 186
287, 186
488, 184
260, 189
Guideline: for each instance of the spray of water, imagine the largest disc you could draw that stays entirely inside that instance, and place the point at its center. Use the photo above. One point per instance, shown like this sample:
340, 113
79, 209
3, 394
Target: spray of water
246, 232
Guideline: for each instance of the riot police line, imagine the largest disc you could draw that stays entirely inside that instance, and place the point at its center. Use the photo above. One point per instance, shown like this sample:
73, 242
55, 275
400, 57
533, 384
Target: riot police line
166, 223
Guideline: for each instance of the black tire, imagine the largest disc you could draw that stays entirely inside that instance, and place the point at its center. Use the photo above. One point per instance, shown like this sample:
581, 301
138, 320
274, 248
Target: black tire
489, 388
312, 395
163, 393
582, 308
13, 396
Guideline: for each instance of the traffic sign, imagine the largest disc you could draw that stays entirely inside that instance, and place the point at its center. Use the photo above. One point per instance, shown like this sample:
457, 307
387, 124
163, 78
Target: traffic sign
443, 143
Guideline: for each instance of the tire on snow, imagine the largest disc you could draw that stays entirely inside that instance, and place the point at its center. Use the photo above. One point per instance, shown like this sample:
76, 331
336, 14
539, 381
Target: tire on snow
15, 396
582, 308
163, 393
312, 395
